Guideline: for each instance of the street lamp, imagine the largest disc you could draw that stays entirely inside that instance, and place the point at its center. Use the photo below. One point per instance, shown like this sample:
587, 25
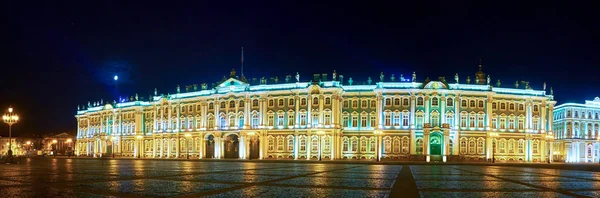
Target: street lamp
69, 147
187, 144
320, 133
494, 136
377, 134
54, 147
10, 118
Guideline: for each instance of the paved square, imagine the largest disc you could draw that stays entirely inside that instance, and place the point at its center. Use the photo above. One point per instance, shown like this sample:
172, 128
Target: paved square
48, 177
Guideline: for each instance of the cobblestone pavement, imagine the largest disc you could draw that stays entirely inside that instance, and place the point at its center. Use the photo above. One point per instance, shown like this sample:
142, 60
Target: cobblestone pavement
47, 177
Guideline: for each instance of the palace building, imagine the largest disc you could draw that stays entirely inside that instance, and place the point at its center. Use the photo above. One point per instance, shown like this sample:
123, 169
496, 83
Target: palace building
576, 127
326, 119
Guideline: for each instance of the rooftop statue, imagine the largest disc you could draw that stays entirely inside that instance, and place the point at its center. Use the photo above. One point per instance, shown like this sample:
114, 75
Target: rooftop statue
414, 77
393, 78
350, 81
341, 79
401, 77
380, 77
516, 84
297, 77
468, 79
334, 75
287, 78
178, 89
155, 92
544, 86
456, 77
136, 97
488, 79
498, 83
369, 81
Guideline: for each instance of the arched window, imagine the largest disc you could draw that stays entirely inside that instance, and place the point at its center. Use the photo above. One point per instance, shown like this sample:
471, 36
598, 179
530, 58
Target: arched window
397, 145
222, 105
463, 103
345, 146
290, 143
434, 101
388, 102
449, 102
363, 145
231, 120
279, 143
271, 143
354, 146
521, 147
315, 101
327, 101
314, 145
480, 145
254, 120
420, 101
232, 104
405, 145
397, 102
472, 146
419, 146
387, 145
303, 102
303, 144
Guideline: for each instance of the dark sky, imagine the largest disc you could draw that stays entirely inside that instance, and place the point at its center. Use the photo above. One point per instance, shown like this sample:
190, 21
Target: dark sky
56, 55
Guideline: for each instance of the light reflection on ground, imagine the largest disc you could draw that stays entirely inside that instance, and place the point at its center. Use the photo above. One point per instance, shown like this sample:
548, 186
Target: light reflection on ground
56, 177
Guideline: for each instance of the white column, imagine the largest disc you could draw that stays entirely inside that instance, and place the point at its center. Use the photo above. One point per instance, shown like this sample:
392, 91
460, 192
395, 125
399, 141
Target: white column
309, 116
443, 111
427, 103
321, 116
412, 113
296, 146
242, 147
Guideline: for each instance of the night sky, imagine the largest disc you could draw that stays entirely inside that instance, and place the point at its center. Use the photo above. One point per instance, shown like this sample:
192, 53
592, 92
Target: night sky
57, 55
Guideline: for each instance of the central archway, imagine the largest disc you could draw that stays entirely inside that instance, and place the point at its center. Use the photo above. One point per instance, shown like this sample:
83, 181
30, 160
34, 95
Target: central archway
210, 146
232, 146
435, 143
254, 147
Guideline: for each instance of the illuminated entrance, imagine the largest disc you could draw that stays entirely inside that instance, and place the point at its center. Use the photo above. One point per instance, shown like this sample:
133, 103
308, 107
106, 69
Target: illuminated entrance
435, 144
232, 146
254, 147
210, 146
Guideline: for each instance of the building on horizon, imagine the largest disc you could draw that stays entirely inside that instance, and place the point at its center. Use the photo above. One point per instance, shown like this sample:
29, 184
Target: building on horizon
327, 118
59, 144
576, 126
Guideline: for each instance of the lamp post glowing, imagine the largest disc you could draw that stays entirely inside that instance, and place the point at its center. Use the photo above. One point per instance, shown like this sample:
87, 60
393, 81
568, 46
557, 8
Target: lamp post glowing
54, 146
69, 147
320, 133
10, 118
494, 135
187, 144
377, 144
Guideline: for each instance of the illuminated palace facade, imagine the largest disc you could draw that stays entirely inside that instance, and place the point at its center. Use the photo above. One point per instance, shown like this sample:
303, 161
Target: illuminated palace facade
577, 126
327, 119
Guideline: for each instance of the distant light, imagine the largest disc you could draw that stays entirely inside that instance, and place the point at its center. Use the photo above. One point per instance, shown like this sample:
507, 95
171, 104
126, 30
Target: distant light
116, 77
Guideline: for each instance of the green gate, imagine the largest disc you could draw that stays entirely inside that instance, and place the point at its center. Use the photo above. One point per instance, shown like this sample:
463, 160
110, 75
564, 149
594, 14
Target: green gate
435, 144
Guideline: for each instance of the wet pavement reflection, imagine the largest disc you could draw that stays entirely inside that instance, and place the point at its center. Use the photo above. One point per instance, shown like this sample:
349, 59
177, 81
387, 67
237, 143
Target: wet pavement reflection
56, 177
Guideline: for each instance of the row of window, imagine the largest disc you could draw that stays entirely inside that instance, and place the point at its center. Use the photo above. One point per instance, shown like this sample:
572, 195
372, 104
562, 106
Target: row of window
576, 114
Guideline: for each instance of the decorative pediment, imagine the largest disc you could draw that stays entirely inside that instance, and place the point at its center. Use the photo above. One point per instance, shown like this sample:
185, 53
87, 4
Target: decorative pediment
232, 82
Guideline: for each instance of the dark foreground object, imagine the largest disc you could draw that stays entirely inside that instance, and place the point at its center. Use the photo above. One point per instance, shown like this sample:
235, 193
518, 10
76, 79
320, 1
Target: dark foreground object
63, 177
